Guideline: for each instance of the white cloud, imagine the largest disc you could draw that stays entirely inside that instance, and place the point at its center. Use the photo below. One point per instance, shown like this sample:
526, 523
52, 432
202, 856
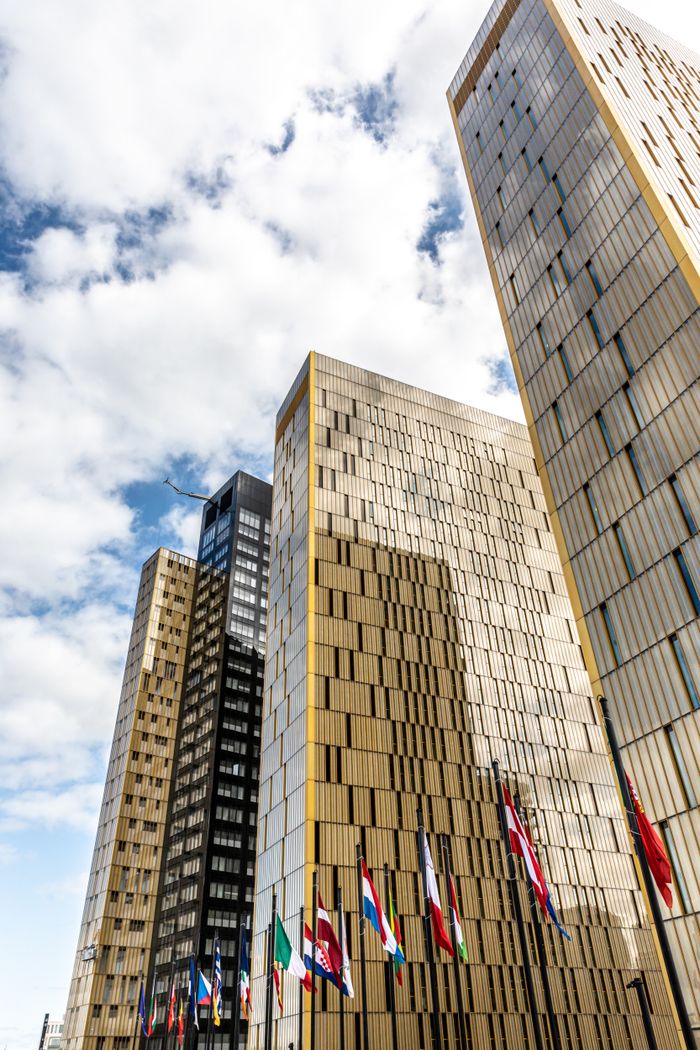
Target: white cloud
74, 807
193, 270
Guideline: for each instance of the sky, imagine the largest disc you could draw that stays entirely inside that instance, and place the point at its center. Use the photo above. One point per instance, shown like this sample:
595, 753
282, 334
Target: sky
193, 197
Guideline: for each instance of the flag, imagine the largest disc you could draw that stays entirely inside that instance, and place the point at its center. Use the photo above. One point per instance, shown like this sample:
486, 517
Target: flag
320, 963
459, 937
396, 930
180, 1025
153, 1011
245, 977
520, 844
191, 995
439, 931
288, 957
171, 1007
142, 1009
275, 974
203, 990
216, 992
653, 848
347, 980
326, 934
373, 911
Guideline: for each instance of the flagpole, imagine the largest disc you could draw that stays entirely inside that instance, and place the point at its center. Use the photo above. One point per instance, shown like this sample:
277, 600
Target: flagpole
341, 1015
363, 964
236, 1001
271, 964
539, 939
665, 947
458, 975
166, 1035
515, 903
301, 986
268, 988
211, 994
138, 1015
314, 923
389, 964
430, 954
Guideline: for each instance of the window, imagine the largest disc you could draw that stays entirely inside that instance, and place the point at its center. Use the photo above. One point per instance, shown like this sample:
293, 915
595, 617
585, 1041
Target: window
478, 142
516, 110
612, 637
557, 186
685, 671
556, 284
498, 233
535, 223
637, 469
594, 507
683, 504
533, 122
499, 193
595, 328
687, 580
680, 766
595, 280
543, 339
619, 343
526, 158
560, 420
624, 550
672, 853
515, 289
606, 434
565, 362
634, 405
501, 162
544, 169
502, 129
564, 267
564, 222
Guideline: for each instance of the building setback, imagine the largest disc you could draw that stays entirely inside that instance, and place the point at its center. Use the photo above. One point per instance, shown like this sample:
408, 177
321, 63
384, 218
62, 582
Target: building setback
118, 918
578, 126
419, 627
209, 867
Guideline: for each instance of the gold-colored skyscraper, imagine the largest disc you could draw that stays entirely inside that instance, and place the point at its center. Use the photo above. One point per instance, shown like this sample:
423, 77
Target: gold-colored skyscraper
418, 628
579, 127
115, 935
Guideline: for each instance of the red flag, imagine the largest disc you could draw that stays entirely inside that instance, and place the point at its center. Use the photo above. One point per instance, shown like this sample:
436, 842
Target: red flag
439, 931
171, 1008
180, 1026
653, 848
276, 975
326, 934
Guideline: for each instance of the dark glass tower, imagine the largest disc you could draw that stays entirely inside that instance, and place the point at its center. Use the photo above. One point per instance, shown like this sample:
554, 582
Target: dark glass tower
209, 864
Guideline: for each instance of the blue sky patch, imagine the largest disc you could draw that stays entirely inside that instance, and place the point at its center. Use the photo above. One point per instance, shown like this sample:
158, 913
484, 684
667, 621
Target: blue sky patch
445, 214
502, 376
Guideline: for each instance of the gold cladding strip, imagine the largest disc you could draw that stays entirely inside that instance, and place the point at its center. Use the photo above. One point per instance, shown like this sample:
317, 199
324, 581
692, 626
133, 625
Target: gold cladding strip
669, 225
294, 405
479, 63
310, 386
584, 637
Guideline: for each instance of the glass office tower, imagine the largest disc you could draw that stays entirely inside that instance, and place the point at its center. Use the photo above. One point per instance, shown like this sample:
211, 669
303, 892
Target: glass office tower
579, 128
209, 865
419, 627
118, 918
175, 853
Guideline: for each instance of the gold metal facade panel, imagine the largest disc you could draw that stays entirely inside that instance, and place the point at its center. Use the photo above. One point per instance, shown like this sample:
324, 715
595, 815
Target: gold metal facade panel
607, 365
439, 645
120, 905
